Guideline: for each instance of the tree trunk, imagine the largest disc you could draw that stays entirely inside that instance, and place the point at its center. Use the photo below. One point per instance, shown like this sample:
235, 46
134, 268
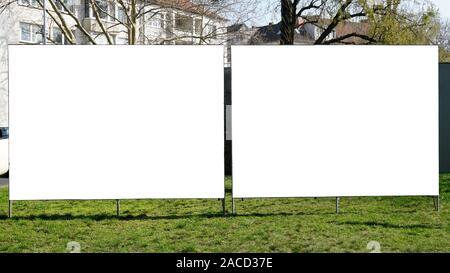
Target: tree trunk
132, 34
288, 21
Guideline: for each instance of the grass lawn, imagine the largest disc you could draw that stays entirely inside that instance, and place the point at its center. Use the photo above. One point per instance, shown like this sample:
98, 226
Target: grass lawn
399, 224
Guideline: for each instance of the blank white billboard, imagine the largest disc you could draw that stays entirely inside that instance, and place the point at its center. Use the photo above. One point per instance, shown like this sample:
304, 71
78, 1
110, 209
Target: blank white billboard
116, 122
335, 121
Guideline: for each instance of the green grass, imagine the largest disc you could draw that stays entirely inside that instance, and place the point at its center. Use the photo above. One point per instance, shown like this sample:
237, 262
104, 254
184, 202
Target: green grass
399, 224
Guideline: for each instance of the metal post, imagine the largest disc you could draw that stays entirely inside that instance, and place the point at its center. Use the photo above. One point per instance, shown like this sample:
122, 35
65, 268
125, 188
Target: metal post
10, 205
337, 205
223, 206
436, 202
233, 206
44, 25
118, 207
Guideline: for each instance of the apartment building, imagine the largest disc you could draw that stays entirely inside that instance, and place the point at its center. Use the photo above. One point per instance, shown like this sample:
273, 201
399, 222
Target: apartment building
104, 22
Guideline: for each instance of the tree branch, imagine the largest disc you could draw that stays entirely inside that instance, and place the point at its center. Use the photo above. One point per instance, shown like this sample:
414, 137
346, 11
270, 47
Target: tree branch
350, 35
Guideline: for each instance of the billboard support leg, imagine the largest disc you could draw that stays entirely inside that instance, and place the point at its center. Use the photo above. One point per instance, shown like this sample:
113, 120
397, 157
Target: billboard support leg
10, 208
337, 205
436, 202
233, 206
117, 207
223, 206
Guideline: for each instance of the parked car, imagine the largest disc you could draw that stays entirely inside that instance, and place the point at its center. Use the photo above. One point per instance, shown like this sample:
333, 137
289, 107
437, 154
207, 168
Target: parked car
4, 154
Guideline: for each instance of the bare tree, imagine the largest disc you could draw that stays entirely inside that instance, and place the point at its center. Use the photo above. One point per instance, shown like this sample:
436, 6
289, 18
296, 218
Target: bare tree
444, 35
443, 41
191, 21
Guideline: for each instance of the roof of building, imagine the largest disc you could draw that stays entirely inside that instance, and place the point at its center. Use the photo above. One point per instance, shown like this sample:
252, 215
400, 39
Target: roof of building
271, 34
237, 27
343, 28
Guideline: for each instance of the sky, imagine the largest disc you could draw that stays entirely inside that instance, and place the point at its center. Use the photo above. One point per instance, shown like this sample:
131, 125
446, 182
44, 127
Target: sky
444, 8
442, 5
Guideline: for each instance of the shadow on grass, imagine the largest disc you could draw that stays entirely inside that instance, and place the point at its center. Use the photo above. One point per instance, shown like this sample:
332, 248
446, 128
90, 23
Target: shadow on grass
389, 225
300, 213
125, 217
101, 217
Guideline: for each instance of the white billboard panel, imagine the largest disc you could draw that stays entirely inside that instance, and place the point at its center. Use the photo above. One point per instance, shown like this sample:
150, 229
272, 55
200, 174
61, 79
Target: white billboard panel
335, 121
116, 122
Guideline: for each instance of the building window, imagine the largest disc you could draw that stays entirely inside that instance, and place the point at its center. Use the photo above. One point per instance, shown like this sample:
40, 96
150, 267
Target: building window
333, 34
111, 11
58, 37
121, 15
31, 3
86, 9
212, 31
183, 23
318, 33
330, 36
198, 26
101, 6
30, 33
106, 10
67, 3
157, 20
